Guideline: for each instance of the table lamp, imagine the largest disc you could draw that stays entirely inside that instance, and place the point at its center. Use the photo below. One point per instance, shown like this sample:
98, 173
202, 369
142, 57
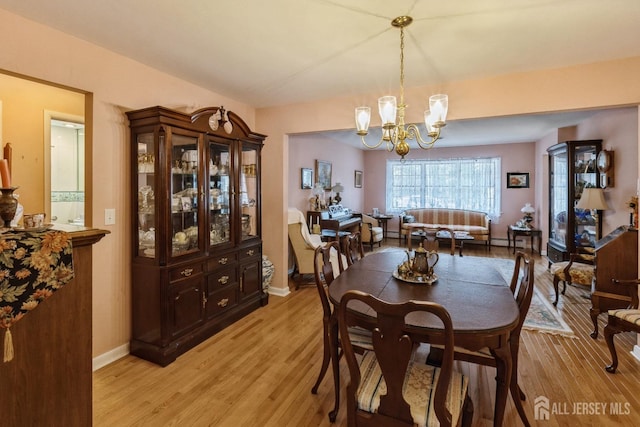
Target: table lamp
593, 199
528, 212
337, 189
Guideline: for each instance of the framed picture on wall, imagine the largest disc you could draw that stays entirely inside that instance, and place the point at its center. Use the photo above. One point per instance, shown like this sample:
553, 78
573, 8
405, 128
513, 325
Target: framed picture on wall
357, 179
517, 179
323, 174
306, 178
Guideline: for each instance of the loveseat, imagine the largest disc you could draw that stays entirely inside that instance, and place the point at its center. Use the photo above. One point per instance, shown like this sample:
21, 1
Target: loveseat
477, 224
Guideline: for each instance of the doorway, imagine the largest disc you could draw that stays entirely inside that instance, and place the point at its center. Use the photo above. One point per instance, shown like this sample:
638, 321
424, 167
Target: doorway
66, 186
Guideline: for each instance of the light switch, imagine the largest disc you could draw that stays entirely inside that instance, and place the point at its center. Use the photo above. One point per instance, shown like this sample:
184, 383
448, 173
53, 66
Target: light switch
109, 216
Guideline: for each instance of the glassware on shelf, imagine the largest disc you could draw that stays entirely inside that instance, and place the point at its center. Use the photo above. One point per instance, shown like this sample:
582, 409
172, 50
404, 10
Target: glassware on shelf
146, 198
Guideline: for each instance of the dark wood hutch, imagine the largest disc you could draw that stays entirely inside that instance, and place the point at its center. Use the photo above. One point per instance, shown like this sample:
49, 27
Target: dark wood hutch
196, 227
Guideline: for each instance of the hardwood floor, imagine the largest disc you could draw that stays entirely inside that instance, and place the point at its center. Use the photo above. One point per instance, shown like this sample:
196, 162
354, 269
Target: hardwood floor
260, 372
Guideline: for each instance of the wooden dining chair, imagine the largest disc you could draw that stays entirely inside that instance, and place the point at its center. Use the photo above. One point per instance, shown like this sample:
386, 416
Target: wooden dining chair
521, 286
353, 248
431, 240
622, 320
389, 387
324, 276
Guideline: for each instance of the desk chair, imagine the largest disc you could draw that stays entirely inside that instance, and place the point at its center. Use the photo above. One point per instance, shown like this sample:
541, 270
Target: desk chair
579, 270
388, 387
624, 320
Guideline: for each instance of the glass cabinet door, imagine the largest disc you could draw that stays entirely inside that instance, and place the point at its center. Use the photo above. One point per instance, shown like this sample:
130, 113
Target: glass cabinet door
219, 193
585, 176
146, 171
559, 196
185, 194
249, 192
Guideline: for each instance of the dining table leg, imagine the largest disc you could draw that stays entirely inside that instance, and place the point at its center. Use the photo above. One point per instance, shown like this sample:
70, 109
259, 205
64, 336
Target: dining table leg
335, 363
504, 367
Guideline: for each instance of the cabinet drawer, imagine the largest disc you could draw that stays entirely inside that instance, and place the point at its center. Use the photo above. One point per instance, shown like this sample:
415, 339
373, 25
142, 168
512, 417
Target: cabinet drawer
221, 301
222, 278
554, 255
219, 261
185, 271
249, 252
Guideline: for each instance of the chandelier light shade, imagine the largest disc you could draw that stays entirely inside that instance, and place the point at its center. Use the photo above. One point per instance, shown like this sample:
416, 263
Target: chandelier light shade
394, 131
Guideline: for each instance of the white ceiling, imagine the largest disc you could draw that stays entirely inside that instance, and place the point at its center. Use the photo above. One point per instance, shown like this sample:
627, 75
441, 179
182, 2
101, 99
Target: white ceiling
279, 52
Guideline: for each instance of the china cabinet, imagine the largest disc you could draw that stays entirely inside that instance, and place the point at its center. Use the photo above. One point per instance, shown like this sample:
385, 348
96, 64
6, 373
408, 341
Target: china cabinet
196, 227
572, 167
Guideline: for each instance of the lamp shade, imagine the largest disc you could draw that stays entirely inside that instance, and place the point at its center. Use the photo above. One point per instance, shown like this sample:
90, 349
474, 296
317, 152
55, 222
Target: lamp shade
592, 198
528, 209
338, 188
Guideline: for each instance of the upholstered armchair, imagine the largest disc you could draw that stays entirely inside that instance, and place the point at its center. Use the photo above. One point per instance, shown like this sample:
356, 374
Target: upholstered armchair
304, 244
370, 232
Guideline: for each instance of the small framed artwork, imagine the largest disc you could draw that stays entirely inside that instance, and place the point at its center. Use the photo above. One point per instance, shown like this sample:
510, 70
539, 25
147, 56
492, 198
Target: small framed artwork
517, 179
323, 174
306, 178
357, 179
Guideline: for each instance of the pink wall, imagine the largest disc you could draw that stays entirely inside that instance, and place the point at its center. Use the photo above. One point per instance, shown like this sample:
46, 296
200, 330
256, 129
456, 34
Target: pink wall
305, 149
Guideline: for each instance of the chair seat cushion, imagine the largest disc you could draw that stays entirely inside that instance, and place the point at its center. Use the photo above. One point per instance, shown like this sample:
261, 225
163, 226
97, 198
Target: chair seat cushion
419, 390
360, 337
581, 274
628, 315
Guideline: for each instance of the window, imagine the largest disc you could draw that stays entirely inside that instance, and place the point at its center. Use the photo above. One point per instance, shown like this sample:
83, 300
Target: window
472, 184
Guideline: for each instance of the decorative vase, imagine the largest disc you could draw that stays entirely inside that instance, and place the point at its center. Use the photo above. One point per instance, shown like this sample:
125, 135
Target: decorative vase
267, 272
8, 205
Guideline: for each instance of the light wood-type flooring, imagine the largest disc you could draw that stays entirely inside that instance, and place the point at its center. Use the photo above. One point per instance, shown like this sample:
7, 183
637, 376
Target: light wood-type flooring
259, 372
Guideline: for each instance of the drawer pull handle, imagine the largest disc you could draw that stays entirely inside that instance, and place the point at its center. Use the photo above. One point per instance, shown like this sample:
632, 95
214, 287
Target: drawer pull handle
223, 302
250, 252
187, 272
223, 280
223, 261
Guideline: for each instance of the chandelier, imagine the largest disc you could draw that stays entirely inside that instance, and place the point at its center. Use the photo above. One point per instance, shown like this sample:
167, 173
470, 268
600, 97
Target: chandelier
394, 131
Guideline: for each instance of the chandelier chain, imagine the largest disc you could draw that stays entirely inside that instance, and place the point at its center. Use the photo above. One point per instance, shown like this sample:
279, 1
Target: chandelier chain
401, 65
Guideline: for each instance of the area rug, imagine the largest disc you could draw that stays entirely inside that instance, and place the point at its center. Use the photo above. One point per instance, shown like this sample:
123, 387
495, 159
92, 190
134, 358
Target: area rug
542, 316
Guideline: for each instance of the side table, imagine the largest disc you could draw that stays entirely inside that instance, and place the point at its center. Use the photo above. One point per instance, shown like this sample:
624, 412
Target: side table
382, 222
514, 231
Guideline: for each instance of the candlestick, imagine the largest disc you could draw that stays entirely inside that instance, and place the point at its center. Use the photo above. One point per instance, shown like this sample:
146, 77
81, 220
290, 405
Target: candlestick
5, 174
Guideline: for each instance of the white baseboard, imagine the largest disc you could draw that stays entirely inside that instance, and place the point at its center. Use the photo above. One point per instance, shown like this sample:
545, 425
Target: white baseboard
110, 357
636, 352
279, 292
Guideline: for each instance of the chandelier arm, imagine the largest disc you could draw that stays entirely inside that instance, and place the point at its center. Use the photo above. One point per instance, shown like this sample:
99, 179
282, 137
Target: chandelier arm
371, 146
413, 132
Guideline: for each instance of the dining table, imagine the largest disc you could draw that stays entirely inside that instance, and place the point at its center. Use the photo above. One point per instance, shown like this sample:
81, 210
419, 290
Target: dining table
481, 305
